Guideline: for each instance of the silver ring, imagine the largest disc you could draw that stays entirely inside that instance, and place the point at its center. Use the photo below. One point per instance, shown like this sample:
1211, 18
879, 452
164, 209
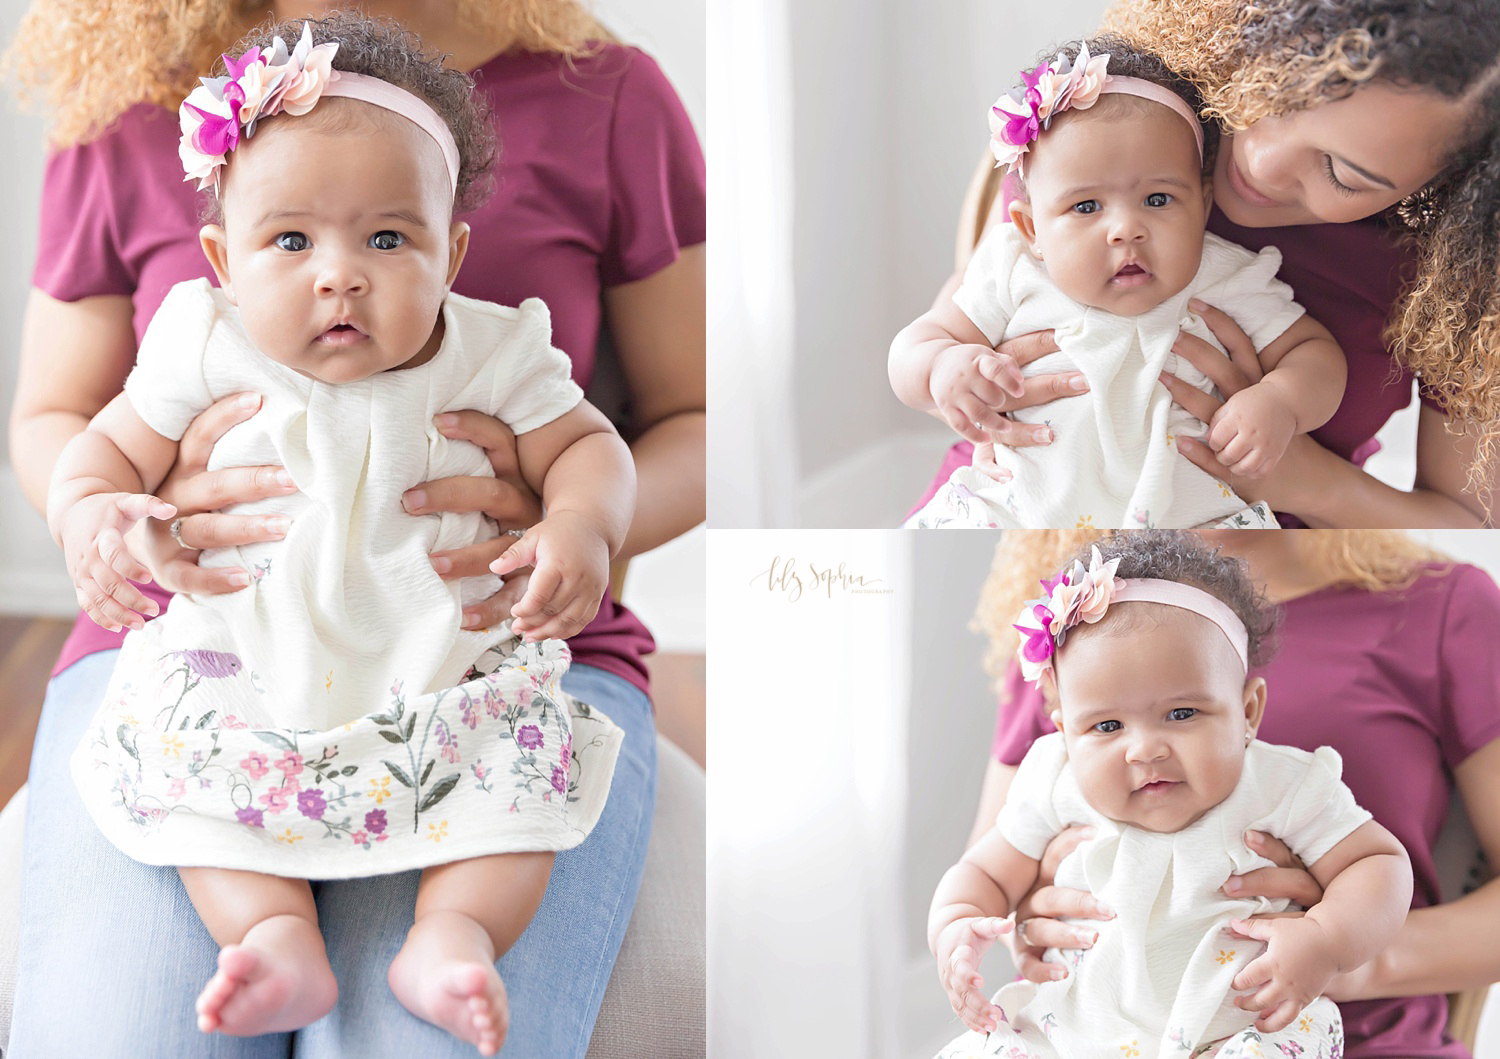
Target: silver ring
515, 533
1021, 932
175, 529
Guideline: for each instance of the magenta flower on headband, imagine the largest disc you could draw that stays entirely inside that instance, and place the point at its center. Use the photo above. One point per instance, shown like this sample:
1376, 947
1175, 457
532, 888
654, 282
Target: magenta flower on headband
223, 110
1075, 596
1018, 118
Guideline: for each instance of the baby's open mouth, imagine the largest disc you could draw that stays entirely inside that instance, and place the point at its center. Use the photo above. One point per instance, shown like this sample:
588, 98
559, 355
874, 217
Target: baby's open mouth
1130, 275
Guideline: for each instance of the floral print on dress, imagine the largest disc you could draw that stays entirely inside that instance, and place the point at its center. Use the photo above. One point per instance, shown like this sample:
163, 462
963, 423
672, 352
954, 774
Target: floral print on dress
419, 772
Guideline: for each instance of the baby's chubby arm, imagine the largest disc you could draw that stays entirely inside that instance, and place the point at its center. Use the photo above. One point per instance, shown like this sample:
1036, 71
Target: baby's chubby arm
942, 361
1303, 378
586, 479
967, 916
1367, 884
100, 488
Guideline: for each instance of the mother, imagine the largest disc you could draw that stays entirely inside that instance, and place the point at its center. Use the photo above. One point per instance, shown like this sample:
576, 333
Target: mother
1385, 654
599, 210
1362, 140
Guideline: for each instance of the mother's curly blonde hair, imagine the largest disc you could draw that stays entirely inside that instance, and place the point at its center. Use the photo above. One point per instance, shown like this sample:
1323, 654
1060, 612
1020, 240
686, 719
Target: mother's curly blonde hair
1253, 59
1374, 560
89, 61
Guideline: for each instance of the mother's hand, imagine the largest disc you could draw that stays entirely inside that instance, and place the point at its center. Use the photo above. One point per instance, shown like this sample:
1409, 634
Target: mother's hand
199, 494
506, 498
1039, 914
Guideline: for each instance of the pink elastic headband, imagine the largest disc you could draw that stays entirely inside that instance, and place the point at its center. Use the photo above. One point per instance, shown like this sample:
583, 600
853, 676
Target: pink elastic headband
398, 100
1136, 86
1177, 594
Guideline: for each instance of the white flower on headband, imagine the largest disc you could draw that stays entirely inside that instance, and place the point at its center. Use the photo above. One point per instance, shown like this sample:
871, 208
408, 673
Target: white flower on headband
1018, 118
1073, 597
222, 110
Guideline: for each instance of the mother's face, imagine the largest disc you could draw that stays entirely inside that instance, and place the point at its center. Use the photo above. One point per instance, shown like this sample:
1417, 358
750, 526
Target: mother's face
1338, 161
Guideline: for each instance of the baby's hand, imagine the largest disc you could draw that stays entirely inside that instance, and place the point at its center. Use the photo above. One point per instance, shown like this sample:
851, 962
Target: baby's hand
1252, 430
960, 947
93, 542
969, 384
571, 557
1294, 970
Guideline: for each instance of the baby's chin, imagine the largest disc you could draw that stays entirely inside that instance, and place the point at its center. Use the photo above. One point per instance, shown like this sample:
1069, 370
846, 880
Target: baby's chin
1131, 298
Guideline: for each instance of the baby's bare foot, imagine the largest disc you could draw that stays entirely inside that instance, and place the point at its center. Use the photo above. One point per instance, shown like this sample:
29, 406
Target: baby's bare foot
277, 979
445, 974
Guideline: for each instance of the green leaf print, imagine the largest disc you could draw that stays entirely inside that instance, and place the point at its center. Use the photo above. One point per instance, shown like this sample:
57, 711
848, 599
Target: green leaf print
349, 770
126, 744
274, 739
391, 737
427, 771
203, 722
446, 784
411, 723
401, 777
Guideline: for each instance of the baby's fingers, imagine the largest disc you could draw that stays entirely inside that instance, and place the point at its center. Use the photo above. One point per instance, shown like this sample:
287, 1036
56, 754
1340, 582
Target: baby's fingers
118, 560
991, 927
1278, 1018
1002, 371
1254, 975
138, 506
104, 610
522, 553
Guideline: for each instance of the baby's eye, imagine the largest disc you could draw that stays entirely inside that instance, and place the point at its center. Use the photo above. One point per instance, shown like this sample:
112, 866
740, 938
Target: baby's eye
293, 241
1182, 713
1086, 206
1107, 727
387, 240
1158, 199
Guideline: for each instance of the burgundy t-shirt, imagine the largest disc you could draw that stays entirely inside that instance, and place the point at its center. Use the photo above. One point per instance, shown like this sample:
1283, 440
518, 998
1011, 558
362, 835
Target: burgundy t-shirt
1347, 277
600, 181
1404, 685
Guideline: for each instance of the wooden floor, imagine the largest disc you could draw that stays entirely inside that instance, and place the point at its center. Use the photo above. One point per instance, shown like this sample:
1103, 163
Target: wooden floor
29, 647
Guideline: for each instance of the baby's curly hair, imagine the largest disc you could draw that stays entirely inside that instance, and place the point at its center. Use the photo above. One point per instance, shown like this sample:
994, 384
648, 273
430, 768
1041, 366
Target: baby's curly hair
1128, 59
1176, 555
383, 48
1255, 59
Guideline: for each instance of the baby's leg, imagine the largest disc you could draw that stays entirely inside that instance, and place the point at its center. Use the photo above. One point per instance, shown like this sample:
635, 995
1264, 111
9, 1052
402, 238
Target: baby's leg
273, 970
468, 914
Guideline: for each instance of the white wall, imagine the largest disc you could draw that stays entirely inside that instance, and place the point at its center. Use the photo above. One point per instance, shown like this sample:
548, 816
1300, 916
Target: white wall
665, 587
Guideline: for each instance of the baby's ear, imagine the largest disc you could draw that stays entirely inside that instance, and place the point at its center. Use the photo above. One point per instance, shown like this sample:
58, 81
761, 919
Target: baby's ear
216, 248
1021, 217
1255, 703
458, 246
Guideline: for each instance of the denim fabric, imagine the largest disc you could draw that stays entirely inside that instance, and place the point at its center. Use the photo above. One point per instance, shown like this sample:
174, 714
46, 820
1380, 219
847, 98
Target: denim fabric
112, 953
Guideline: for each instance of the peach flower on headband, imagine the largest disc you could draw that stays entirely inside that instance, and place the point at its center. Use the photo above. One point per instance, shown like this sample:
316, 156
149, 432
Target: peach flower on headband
1075, 596
1018, 118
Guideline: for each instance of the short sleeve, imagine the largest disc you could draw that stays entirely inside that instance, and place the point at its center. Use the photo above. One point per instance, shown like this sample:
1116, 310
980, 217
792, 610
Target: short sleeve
1319, 812
984, 296
1261, 304
167, 387
658, 183
1021, 718
1469, 714
78, 251
531, 381
1028, 820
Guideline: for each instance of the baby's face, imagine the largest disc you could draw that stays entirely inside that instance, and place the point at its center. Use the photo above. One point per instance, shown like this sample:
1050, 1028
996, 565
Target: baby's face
338, 245
1118, 205
1157, 717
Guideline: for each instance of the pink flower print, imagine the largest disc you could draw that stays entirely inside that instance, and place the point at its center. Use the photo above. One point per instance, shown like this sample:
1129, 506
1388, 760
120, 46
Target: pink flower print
177, 789
467, 713
275, 800
530, 737
523, 696
375, 821
312, 804
360, 838
566, 757
291, 764
255, 764
251, 817
216, 664
448, 743
231, 721
396, 690
493, 701
480, 770
559, 779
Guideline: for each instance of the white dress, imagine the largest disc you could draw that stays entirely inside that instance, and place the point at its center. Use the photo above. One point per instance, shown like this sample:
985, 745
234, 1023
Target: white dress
333, 719
1113, 462
1156, 982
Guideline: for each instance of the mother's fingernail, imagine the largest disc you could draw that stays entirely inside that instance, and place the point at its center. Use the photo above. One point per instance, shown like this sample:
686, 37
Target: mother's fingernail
1103, 909
1078, 384
1042, 435
284, 479
471, 619
1196, 305
446, 419
415, 500
239, 579
278, 525
1085, 938
250, 400
442, 566
1233, 886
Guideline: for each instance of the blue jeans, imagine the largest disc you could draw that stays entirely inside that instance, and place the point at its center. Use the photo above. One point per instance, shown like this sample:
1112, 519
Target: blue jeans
113, 954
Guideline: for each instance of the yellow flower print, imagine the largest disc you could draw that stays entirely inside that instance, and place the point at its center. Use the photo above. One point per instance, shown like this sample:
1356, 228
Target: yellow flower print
1225, 491
1225, 957
171, 744
1085, 522
1305, 1024
380, 789
287, 837
1171, 438
1130, 1049
130, 719
329, 684
437, 832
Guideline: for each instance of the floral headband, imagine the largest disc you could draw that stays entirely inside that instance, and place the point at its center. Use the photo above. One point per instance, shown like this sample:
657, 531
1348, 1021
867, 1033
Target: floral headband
1020, 117
1077, 595
222, 111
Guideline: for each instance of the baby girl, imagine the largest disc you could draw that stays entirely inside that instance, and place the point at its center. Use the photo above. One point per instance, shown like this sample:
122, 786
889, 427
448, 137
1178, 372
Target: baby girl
1157, 752
1107, 248
332, 719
